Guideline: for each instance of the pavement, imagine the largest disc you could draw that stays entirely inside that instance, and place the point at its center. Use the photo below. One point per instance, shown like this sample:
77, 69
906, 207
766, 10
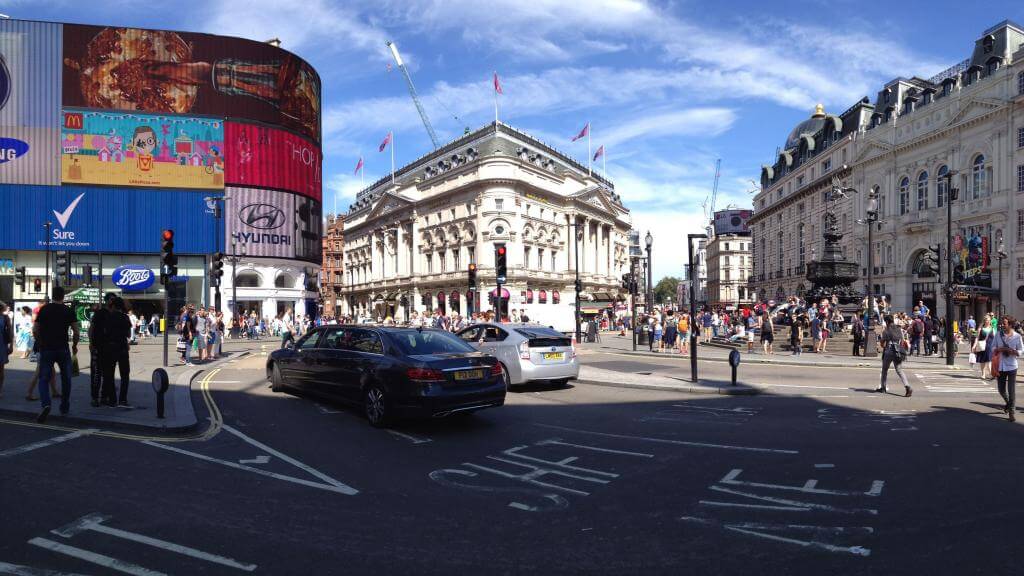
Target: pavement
817, 475
179, 414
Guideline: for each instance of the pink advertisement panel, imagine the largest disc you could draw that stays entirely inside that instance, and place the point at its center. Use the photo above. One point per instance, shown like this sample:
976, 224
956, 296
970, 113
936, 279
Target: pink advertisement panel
259, 156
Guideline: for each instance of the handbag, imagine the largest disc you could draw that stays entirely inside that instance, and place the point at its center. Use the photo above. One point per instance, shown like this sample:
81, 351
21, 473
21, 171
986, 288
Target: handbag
995, 365
979, 345
972, 358
181, 345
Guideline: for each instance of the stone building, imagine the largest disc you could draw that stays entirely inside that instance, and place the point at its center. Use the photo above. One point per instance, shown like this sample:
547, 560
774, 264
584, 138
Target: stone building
332, 271
728, 270
409, 241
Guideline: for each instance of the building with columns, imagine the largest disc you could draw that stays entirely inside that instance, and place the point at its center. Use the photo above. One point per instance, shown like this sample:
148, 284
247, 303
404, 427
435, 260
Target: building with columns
332, 272
408, 242
962, 129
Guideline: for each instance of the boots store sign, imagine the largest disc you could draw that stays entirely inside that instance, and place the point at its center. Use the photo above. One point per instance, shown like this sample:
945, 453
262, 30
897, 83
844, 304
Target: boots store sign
132, 277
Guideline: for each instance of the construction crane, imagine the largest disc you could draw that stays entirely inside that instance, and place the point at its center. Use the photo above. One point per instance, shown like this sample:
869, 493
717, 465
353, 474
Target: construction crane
412, 92
709, 209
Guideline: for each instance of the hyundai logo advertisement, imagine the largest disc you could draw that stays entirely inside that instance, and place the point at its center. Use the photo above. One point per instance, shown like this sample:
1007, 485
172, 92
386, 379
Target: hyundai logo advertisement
263, 221
132, 277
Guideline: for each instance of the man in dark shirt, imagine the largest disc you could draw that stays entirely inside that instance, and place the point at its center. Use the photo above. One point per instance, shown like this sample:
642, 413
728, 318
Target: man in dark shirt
97, 348
51, 333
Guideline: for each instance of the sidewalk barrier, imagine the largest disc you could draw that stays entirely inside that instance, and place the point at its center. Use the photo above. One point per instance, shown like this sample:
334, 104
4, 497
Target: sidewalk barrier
734, 362
160, 385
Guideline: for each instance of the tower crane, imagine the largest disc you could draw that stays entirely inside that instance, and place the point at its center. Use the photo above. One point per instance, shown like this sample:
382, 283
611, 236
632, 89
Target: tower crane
412, 92
709, 209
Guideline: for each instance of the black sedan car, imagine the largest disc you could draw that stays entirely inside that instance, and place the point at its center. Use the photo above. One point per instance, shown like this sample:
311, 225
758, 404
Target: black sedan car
390, 372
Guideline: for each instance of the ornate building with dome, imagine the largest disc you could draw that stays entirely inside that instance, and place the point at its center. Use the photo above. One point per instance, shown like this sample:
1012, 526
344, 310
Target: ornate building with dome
408, 243
962, 128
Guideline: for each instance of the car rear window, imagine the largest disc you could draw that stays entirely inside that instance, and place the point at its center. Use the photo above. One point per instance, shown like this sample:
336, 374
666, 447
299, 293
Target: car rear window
543, 337
414, 342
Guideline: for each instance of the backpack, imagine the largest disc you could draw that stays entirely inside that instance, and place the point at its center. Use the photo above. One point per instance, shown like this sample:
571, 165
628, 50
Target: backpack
918, 327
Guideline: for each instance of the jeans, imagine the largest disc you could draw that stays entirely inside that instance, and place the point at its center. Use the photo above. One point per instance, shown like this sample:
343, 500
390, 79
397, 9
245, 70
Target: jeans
915, 344
112, 357
1007, 387
889, 357
62, 358
286, 337
188, 351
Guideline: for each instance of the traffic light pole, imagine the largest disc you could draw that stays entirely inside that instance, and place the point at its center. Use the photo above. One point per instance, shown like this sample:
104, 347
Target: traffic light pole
46, 296
951, 195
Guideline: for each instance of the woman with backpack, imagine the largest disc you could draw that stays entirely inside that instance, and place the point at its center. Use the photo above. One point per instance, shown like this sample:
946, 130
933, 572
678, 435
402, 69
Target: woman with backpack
894, 352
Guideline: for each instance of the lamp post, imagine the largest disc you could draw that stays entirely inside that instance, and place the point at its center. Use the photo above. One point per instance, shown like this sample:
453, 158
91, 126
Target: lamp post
693, 305
213, 203
235, 257
649, 240
576, 264
870, 219
1001, 254
46, 296
951, 195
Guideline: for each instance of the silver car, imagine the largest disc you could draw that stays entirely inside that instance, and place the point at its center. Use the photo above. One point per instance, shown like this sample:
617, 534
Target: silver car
529, 352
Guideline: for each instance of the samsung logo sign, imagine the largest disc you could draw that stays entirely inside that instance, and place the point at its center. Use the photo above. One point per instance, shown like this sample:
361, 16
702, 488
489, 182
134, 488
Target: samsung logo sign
262, 216
132, 277
11, 148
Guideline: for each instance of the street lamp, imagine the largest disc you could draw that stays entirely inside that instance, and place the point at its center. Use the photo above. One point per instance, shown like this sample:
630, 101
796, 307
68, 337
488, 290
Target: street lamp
213, 204
693, 306
649, 240
571, 220
1001, 254
235, 258
951, 195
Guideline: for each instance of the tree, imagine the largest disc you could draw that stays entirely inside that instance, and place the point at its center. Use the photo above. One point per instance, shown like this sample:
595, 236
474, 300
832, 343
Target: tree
665, 289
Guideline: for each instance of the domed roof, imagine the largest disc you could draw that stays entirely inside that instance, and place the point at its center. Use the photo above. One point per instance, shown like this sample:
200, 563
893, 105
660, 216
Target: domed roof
809, 126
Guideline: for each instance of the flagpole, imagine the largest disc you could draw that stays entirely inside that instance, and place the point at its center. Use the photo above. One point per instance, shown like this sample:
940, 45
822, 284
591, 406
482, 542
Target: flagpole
589, 158
495, 108
392, 158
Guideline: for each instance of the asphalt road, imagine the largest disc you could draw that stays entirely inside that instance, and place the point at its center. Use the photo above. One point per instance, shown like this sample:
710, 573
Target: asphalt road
815, 475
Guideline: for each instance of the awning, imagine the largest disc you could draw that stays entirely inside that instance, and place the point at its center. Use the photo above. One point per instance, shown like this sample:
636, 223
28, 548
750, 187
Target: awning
504, 293
555, 296
543, 297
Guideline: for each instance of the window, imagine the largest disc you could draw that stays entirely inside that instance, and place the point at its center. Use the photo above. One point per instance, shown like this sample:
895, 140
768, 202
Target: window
540, 258
780, 252
991, 67
366, 341
430, 264
308, 342
526, 257
1020, 268
888, 254
1020, 137
726, 247
800, 181
826, 165
1020, 178
1020, 83
800, 243
456, 260
978, 180
499, 204
904, 195
941, 185
725, 260
922, 191
284, 281
553, 253
442, 261
1020, 225
947, 87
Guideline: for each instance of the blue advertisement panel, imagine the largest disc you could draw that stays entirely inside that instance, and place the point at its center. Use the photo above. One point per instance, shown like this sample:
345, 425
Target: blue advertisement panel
30, 99
149, 150
97, 219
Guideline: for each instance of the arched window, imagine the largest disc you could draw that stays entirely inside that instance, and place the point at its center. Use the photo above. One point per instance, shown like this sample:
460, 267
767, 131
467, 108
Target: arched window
941, 186
247, 280
284, 281
922, 191
978, 180
904, 195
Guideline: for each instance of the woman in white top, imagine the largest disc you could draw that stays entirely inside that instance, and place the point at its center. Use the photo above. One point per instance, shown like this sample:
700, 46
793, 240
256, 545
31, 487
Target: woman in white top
1007, 343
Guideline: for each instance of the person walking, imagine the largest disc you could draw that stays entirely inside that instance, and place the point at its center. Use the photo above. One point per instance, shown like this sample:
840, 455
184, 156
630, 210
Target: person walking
287, 330
117, 334
1008, 345
894, 350
767, 333
6, 343
186, 333
684, 333
23, 326
657, 336
51, 332
796, 335
858, 335
671, 332
982, 350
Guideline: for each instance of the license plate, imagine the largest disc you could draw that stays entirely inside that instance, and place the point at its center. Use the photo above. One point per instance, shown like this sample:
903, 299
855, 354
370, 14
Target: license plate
554, 355
469, 375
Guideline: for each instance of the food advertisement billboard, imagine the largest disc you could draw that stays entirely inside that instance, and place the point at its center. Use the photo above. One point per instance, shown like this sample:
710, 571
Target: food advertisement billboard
167, 72
29, 102
261, 221
264, 157
308, 229
732, 222
103, 219
126, 149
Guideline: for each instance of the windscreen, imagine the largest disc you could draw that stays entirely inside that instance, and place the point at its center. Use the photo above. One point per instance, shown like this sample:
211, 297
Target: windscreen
416, 342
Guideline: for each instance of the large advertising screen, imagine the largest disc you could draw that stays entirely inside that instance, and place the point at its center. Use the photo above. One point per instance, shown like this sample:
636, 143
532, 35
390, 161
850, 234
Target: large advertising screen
732, 222
261, 221
971, 260
125, 149
101, 219
264, 157
309, 229
184, 73
29, 102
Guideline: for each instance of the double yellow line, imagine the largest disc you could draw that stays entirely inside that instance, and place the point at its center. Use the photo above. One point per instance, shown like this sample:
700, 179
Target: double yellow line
216, 421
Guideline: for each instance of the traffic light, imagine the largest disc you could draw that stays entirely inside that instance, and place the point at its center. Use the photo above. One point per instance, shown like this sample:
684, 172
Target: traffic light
472, 274
87, 275
63, 268
931, 262
19, 277
500, 263
217, 268
168, 259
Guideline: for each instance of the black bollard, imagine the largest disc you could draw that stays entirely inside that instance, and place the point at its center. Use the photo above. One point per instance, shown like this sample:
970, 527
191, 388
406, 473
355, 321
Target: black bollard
160, 386
734, 362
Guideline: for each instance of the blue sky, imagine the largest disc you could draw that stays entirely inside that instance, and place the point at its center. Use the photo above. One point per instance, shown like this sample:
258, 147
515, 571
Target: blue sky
667, 86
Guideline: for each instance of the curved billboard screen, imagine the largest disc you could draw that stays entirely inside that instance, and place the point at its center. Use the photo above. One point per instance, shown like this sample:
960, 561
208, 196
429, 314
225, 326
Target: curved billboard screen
265, 157
126, 149
166, 72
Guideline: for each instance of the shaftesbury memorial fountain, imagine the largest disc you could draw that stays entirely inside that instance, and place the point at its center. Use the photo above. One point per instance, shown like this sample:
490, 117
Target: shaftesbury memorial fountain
832, 274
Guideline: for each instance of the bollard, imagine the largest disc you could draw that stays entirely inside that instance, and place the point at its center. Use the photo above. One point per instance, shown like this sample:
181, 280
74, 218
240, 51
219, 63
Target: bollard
734, 361
160, 386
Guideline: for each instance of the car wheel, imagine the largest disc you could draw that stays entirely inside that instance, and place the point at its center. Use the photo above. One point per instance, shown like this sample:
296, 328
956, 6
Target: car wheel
505, 377
375, 403
563, 383
276, 382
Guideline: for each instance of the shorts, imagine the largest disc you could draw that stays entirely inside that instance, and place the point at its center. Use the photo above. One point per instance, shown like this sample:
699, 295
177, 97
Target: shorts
200, 341
767, 336
750, 336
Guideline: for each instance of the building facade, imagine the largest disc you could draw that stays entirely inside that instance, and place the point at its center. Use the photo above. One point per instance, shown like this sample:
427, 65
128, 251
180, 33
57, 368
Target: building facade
332, 271
961, 129
230, 156
728, 269
408, 243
